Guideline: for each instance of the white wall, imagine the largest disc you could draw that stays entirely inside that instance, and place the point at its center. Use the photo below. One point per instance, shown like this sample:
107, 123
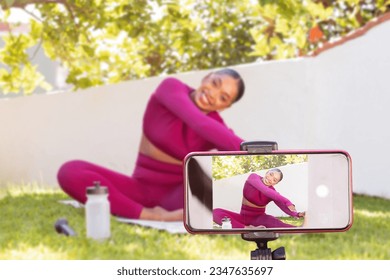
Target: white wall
337, 100
353, 98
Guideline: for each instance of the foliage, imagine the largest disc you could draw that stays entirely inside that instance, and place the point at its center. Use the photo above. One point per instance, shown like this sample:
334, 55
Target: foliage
108, 41
291, 28
228, 166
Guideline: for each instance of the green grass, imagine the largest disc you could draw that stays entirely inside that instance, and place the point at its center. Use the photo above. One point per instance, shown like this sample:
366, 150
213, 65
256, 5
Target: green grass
28, 215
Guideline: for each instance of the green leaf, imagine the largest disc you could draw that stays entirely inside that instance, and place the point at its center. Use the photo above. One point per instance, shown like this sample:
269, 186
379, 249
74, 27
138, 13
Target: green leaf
300, 36
90, 51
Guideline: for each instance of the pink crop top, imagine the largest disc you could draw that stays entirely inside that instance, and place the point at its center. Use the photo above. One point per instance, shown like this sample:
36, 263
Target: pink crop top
174, 124
259, 194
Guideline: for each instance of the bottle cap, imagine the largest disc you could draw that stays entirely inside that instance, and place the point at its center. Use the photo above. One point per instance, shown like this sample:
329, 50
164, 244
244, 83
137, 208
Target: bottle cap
225, 219
97, 189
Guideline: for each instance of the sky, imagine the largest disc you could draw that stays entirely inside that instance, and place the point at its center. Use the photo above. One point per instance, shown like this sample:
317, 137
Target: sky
17, 15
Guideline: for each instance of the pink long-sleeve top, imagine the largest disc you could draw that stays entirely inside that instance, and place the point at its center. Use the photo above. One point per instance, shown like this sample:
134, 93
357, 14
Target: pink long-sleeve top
256, 192
174, 124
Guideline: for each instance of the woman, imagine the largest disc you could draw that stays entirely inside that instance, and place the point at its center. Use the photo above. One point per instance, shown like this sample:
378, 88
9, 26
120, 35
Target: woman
178, 120
257, 193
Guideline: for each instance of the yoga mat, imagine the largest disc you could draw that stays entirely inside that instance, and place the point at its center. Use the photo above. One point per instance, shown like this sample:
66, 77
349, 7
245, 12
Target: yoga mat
171, 227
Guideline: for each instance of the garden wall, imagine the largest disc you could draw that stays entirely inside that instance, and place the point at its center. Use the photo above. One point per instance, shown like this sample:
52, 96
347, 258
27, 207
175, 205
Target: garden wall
338, 99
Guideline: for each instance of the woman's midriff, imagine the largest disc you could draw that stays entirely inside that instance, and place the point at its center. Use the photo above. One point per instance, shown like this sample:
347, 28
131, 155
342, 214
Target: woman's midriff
250, 204
147, 148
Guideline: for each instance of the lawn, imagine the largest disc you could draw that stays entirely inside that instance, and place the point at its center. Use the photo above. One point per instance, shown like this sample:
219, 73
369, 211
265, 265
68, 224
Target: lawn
29, 213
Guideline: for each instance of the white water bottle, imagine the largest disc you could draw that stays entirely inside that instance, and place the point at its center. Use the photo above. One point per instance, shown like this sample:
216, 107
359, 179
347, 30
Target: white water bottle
97, 212
226, 223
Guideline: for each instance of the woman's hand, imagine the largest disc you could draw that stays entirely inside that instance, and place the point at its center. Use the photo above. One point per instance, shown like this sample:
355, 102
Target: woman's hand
301, 214
292, 208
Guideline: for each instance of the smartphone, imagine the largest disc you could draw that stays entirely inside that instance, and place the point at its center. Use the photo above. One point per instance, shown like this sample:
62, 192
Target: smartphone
279, 191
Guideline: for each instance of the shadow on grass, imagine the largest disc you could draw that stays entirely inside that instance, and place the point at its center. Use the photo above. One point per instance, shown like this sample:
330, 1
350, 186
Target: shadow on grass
27, 232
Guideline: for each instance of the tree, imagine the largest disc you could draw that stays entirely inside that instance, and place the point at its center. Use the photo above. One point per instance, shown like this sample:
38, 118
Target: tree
108, 41
229, 166
292, 28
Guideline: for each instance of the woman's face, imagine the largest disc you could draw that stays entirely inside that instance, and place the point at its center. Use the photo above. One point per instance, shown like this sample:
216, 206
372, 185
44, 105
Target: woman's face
216, 93
271, 178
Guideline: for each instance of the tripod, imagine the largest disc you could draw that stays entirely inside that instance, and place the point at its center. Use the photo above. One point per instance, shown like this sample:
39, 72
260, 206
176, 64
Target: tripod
262, 238
263, 252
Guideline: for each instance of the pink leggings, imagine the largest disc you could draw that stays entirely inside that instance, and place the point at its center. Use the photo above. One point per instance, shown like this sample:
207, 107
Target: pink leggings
248, 216
153, 183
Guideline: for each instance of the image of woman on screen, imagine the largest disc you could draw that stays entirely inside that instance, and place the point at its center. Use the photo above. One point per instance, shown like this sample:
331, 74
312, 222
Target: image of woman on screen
257, 193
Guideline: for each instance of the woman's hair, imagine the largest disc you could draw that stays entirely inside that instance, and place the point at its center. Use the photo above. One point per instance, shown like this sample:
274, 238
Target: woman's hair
234, 74
278, 171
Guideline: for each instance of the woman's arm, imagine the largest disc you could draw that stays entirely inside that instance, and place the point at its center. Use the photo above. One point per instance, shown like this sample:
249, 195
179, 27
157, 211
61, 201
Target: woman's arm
170, 93
287, 209
255, 181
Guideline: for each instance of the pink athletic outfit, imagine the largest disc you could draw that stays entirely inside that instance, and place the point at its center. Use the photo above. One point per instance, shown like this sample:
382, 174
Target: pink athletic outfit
175, 125
259, 194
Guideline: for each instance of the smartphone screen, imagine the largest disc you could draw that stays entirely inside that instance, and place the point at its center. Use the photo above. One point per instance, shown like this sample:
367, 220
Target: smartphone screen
304, 191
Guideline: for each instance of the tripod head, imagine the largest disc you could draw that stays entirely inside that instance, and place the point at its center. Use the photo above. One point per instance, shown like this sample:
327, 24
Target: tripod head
263, 252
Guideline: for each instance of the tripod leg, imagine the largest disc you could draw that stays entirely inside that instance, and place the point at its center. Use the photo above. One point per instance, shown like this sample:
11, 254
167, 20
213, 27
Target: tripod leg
261, 254
279, 254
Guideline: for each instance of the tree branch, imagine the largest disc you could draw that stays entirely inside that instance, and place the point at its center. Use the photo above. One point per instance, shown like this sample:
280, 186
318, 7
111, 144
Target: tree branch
70, 10
31, 14
36, 49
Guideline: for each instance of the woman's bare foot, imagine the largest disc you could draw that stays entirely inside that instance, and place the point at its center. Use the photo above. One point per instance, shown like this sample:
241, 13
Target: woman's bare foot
160, 214
305, 221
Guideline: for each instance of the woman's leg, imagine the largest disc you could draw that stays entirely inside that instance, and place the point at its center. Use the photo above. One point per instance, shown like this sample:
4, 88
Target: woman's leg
270, 222
163, 182
124, 192
235, 218
256, 217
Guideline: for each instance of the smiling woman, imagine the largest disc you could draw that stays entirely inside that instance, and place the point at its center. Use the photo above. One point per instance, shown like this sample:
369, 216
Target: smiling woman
178, 120
218, 91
